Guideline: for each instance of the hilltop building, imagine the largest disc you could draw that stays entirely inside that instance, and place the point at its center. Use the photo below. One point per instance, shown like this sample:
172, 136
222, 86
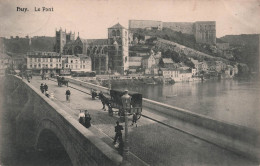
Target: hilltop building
203, 31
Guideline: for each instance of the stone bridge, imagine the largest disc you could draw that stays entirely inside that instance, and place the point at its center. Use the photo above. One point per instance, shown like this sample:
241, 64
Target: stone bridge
39, 118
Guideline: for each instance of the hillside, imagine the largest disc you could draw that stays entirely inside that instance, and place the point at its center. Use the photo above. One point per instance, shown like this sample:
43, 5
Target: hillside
21, 45
178, 37
245, 48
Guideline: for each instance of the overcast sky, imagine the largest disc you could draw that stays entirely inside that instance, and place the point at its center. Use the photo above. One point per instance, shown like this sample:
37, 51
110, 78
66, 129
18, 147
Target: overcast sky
92, 18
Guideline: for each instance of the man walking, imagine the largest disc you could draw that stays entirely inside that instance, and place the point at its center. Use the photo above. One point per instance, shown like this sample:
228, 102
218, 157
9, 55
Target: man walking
102, 98
45, 87
118, 129
134, 120
67, 95
42, 88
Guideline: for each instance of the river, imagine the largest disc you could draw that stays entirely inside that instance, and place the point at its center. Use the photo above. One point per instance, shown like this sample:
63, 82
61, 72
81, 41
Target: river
232, 101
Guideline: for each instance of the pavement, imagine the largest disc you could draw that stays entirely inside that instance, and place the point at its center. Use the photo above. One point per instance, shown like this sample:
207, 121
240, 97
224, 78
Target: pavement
150, 142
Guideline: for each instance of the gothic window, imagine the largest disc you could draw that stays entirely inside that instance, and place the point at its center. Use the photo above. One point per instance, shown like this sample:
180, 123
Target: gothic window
113, 33
117, 33
125, 59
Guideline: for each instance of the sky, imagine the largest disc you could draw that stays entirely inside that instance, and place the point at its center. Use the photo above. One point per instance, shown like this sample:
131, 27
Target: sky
91, 18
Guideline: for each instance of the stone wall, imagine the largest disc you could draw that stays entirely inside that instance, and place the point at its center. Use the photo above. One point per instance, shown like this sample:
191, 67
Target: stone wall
184, 27
143, 24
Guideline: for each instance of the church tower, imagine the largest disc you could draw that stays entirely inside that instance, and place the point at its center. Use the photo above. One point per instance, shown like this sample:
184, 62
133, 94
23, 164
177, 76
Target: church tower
118, 49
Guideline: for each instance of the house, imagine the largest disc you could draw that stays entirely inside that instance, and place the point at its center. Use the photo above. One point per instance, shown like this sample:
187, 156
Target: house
169, 73
44, 62
76, 63
148, 61
135, 63
220, 66
167, 63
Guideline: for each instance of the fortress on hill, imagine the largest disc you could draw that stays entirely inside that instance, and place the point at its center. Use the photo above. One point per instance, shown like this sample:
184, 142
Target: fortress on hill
203, 31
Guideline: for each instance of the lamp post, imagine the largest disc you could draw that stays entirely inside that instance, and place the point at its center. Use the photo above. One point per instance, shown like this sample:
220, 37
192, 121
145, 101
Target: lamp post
126, 100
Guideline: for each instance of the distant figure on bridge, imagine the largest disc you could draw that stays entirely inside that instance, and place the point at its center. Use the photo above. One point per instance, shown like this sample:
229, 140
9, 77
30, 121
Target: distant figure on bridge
67, 95
42, 88
134, 120
118, 129
82, 117
47, 93
102, 98
28, 78
45, 87
87, 119
93, 94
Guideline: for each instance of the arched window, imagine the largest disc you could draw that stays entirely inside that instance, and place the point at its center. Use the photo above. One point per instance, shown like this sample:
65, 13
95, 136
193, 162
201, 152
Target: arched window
113, 33
117, 33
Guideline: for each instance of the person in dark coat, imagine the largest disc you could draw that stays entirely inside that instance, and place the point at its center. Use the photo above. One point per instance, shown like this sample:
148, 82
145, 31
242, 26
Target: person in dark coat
93, 94
134, 119
118, 132
45, 87
42, 88
121, 146
87, 119
67, 95
102, 98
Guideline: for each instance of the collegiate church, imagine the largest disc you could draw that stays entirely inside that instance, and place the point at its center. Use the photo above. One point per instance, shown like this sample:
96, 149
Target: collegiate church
107, 55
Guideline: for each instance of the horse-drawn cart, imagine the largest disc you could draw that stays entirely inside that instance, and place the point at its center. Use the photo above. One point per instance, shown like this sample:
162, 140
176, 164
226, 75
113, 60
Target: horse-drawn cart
116, 102
62, 81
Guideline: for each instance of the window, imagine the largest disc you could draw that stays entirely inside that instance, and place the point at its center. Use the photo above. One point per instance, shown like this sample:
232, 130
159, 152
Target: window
71, 61
66, 65
30, 65
35, 66
39, 65
83, 66
57, 65
113, 33
50, 65
39, 59
76, 66
117, 33
50, 59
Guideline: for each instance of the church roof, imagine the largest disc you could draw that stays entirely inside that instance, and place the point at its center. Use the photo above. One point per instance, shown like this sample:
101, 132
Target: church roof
97, 41
117, 26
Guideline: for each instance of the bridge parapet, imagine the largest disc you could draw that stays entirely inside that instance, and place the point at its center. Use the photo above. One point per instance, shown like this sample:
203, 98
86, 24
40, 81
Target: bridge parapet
38, 113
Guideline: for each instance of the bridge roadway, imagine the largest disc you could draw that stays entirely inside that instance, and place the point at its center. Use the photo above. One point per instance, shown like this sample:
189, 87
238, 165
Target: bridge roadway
153, 142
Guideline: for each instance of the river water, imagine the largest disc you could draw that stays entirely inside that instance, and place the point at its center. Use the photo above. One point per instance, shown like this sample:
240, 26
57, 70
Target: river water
232, 101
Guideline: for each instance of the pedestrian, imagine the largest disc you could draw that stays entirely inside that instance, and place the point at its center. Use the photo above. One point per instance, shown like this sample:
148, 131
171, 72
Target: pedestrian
45, 87
67, 95
28, 78
118, 132
134, 119
93, 94
42, 88
81, 117
87, 119
102, 98
110, 110
47, 93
